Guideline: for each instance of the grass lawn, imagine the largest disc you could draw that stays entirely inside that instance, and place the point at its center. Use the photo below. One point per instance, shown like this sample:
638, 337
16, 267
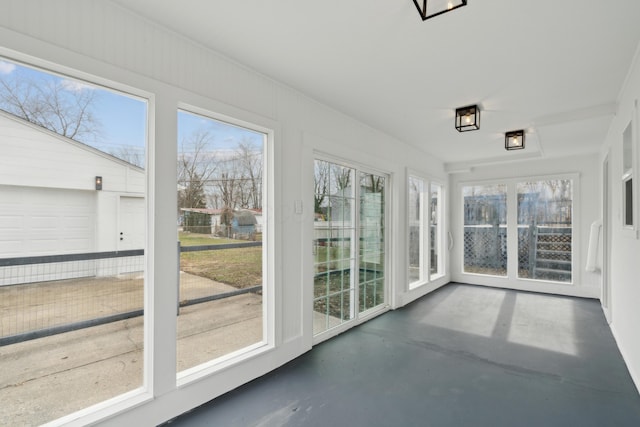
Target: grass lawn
240, 267
195, 239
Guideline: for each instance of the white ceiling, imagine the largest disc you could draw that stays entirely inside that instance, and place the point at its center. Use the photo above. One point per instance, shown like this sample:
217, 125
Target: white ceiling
554, 68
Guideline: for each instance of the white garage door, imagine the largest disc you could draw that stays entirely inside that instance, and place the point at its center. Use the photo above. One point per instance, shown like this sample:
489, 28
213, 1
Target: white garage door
42, 221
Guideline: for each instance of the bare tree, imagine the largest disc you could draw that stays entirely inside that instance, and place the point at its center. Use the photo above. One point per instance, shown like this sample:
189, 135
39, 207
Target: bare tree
375, 184
130, 154
330, 181
321, 185
213, 200
250, 163
342, 176
227, 186
62, 106
196, 165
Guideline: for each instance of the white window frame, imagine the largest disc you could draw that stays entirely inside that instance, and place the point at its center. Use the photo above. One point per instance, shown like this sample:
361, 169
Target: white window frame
361, 317
512, 238
159, 369
442, 252
425, 276
143, 393
268, 341
630, 174
574, 178
510, 187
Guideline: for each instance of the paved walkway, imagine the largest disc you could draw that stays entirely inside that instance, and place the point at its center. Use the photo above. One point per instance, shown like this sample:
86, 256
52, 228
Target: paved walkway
46, 378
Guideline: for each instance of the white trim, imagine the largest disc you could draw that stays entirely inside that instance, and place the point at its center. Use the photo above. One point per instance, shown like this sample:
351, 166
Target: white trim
630, 174
635, 375
606, 231
100, 411
142, 394
68, 72
425, 236
269, 339
357, 316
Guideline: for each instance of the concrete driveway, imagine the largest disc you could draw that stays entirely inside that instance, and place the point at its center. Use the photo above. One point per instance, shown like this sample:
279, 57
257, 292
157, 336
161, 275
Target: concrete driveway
46, 378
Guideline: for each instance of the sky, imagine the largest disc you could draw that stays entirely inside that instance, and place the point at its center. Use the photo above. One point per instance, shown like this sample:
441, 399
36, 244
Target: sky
224, 136
122, 117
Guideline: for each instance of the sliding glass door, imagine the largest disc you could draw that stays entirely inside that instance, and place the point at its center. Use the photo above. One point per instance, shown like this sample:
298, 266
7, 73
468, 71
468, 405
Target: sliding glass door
349, 244
371, 241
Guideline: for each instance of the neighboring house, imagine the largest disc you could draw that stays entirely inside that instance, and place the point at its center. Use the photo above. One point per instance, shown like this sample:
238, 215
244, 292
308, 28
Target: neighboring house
244, 221
50, 204
214, 214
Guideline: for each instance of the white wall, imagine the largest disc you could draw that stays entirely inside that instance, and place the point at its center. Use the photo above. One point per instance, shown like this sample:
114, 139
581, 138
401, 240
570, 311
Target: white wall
625, 253
105, 44
585, 284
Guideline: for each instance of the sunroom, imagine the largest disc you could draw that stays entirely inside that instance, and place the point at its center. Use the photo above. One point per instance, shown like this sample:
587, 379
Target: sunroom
337, 161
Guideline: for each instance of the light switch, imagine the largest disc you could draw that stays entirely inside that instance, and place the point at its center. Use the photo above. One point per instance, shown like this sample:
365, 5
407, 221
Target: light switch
297, 206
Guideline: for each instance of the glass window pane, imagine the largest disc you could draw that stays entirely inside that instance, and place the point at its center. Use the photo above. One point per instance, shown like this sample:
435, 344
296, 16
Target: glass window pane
435, 230
628, 202
415, 239
485, 229
545, 230
340, 180
627, 149
73, 216
336, 248
371, 288
333, 232
220, 203
627, 178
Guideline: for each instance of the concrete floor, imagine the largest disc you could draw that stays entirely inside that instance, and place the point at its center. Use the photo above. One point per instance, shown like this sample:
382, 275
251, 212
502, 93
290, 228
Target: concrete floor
462, 356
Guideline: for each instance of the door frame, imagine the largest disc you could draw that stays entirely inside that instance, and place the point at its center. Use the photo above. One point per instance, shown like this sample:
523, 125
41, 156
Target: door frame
605, 298
359, 317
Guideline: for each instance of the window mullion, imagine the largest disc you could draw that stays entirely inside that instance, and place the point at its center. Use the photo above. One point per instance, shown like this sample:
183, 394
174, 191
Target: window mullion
424, 234
355, 247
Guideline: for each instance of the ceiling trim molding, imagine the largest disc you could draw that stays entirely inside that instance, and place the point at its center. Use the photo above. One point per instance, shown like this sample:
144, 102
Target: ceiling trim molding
609, 109
467, 167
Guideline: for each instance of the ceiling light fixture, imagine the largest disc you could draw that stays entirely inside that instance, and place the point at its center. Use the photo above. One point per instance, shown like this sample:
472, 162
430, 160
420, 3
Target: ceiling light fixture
514, 140
430, 8
468, 118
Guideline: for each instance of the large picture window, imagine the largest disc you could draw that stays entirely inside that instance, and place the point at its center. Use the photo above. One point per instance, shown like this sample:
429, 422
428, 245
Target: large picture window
425, 231
221, 230
72, 243
545, 229
485, 229
543, 223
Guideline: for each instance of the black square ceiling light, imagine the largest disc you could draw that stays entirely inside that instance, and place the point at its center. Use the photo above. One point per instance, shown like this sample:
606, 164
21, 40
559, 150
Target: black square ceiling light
430, 8
468, 118
514, 140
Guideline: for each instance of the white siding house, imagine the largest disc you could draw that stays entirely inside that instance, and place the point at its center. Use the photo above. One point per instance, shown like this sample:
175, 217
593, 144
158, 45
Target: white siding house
49, 204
